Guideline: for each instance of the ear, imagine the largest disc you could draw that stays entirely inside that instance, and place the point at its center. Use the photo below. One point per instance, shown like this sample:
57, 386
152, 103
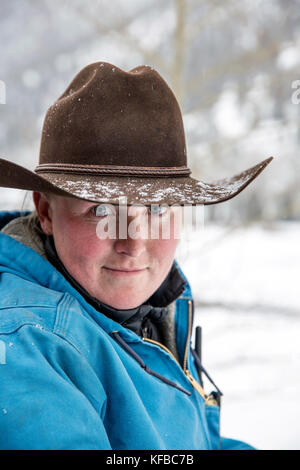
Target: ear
44, 211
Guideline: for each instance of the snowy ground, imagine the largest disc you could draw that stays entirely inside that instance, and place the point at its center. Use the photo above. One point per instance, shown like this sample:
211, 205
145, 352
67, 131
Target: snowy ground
245, 284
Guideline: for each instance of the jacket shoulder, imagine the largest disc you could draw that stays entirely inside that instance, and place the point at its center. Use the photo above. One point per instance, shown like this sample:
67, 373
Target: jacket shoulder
25, 302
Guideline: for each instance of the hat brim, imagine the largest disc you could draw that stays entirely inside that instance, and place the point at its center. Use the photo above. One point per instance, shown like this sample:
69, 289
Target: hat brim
137, 190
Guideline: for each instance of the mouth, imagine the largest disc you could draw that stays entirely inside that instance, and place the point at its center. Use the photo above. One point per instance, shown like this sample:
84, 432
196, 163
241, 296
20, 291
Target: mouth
123, 271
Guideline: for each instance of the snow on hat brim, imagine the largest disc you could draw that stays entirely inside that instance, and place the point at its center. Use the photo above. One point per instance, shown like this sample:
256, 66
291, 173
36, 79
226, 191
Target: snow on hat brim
137, 190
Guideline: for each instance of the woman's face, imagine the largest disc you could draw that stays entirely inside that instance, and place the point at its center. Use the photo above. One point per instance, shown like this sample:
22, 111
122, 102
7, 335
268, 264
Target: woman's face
120, 271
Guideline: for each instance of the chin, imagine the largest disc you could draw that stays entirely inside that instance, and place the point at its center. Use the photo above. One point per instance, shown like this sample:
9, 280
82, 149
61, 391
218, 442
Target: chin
126, 306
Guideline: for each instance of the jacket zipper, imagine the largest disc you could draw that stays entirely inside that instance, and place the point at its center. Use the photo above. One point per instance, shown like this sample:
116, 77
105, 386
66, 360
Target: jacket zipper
207, 398
144, 366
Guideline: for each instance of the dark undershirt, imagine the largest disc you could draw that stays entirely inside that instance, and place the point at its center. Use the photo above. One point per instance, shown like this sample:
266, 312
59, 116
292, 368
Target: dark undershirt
143, 320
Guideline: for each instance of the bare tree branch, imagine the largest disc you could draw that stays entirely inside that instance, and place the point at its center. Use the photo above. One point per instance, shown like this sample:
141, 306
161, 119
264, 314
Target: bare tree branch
179, 47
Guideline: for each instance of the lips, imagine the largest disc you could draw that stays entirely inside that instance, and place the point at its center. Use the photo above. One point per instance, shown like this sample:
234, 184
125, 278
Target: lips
126, 270
123, 273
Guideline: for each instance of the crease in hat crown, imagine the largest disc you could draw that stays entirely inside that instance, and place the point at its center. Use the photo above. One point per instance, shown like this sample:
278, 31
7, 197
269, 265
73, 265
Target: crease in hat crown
112, 122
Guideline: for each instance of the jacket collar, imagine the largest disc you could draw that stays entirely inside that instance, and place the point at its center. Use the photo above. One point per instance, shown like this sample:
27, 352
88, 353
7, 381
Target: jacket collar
25, 228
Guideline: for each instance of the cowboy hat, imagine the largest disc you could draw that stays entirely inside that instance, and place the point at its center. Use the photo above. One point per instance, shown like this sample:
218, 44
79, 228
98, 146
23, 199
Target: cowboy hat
114, 133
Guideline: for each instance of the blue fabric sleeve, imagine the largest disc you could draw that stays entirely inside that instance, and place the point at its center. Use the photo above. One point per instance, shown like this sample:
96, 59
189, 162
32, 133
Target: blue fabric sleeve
46, 394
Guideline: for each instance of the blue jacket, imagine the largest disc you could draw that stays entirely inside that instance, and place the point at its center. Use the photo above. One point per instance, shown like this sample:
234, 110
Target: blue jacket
71, 378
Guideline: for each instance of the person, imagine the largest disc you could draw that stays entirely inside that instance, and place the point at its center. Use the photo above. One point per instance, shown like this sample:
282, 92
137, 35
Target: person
95, 329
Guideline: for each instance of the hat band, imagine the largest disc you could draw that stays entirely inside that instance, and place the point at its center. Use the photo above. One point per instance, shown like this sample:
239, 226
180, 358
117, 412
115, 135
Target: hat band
112, 170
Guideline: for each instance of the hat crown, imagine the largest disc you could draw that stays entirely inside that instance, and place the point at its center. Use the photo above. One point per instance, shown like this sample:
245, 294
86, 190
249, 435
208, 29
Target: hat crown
109, 117
114, 133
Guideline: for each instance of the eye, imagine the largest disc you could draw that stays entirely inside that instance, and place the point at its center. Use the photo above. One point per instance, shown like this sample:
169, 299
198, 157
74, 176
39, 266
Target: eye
103, 210
156, 209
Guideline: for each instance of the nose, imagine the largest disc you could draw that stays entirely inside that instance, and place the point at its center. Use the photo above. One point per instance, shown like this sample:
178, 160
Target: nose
130, 247
134, 244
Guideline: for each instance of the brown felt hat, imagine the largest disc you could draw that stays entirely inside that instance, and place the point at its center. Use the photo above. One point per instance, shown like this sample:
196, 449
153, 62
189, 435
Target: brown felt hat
114, 133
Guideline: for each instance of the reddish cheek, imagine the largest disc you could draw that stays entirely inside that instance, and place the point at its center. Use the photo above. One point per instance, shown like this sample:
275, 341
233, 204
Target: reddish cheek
80, 242
165, 246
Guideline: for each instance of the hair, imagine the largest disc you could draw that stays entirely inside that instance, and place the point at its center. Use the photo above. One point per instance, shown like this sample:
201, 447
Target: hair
28, 209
